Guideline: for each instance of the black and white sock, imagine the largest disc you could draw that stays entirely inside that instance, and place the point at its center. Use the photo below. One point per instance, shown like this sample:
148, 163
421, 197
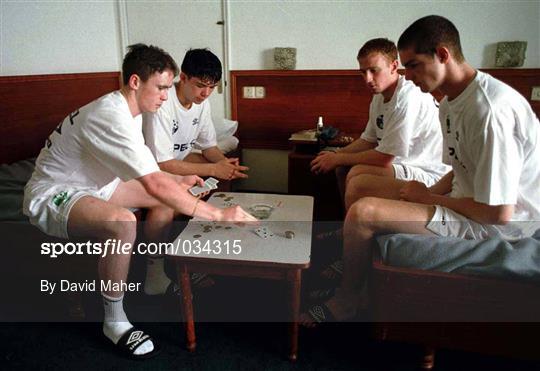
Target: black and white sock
116, 324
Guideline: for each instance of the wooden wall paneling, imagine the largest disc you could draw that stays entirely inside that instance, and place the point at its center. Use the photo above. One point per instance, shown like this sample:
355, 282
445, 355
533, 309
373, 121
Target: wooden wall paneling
294, 99
32, 106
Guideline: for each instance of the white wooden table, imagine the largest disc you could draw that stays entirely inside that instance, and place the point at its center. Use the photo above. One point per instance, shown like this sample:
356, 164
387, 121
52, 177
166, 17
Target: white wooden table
229, 249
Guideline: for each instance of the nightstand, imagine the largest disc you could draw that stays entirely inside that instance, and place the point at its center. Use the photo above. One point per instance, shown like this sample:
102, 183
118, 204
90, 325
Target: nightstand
328, 204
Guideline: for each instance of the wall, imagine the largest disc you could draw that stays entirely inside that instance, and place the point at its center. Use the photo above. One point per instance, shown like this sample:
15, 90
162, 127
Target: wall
328, 34
176, 27
39, 37
58, 37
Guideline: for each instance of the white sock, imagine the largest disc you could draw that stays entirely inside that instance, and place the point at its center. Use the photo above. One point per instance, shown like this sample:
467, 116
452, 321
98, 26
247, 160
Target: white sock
156, 281
116, 324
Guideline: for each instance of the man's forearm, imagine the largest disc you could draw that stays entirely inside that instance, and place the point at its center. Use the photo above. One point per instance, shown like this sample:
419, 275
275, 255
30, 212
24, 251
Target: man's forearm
180, 167
358, 145
166, 190
213, 154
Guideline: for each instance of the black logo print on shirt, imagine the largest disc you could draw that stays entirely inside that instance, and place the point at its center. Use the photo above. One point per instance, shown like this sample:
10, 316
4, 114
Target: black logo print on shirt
452, 150
380, 121
174, 126
184, 146
58, 129
195, 121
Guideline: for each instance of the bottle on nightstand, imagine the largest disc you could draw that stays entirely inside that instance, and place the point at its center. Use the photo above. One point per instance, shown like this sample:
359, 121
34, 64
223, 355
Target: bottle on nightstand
320, 126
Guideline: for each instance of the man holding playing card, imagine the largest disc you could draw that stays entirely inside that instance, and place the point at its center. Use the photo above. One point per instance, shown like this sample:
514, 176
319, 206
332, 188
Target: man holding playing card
94, 167
185, 122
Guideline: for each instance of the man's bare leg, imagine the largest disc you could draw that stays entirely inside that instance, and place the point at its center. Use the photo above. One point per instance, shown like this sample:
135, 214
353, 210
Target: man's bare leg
367, 185
102, 220
341, 177
156, 229
365, 219
384, 189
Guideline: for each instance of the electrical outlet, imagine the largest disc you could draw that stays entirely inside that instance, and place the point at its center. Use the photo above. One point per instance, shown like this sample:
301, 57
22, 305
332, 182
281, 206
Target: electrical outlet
248, 92
535, 95
260, 92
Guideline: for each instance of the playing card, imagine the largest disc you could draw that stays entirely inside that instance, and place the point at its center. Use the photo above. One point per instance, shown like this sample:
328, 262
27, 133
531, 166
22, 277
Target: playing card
211, 181
264, 232
197, 190
209, 184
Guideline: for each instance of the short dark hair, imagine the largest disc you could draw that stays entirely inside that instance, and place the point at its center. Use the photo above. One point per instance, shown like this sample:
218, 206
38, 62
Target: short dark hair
144, 60
203, 64
430, 32
380, 45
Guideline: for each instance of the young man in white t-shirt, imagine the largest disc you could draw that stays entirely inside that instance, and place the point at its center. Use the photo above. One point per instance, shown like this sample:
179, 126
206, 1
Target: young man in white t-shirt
95, 167
185, 122
402, 140
491, 139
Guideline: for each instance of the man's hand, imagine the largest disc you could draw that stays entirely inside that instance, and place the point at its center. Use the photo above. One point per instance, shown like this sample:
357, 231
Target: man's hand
229, 168
188, 181
324, 162
415, 191
238, 215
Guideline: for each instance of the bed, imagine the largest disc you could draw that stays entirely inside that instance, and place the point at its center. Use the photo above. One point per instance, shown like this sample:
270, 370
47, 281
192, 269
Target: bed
479, 296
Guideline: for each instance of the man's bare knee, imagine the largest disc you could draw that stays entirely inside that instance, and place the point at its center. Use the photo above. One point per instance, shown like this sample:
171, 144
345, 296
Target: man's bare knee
360, 219
364, 210
121, 224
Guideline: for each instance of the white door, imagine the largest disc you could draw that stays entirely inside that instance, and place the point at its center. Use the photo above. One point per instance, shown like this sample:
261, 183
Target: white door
176, 27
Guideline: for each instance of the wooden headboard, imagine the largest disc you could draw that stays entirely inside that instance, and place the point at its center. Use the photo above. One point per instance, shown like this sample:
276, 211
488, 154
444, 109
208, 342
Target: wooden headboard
295, 99
32, 106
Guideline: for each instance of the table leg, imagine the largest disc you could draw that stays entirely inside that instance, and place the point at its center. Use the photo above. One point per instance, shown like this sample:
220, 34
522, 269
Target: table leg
187, 304
294, 279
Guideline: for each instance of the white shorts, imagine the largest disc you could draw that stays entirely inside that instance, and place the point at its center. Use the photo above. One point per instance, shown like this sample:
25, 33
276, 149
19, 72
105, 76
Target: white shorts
406, 172
48, 206
448, 223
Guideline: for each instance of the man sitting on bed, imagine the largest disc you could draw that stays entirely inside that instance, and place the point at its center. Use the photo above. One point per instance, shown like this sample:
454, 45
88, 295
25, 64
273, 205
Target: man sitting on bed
402, 140
491, 139
185, 121
95, 167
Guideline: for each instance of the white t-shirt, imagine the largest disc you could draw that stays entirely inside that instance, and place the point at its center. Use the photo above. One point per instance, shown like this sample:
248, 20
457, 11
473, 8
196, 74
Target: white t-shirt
407, 127
173, 131
94, 146
492, 140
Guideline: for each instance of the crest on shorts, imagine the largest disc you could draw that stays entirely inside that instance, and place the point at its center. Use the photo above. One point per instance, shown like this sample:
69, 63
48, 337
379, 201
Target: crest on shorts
61, 198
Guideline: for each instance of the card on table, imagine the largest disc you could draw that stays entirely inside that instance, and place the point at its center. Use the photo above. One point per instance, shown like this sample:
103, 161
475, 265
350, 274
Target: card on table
264, 232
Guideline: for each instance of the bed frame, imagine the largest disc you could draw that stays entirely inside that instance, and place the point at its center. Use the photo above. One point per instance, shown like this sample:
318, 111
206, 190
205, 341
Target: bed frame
32, 106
